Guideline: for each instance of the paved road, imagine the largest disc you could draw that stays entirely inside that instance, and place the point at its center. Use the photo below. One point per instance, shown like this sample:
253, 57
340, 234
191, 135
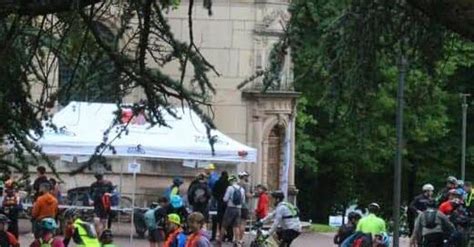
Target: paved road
123, 230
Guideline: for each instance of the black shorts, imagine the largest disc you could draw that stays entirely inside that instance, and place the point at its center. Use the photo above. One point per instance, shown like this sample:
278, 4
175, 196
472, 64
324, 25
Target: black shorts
101, 213
433, 240
157, 235
203, 209
232, 217
287, 236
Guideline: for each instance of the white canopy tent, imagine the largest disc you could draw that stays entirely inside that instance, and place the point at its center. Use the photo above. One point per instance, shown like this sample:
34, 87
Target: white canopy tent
80, 127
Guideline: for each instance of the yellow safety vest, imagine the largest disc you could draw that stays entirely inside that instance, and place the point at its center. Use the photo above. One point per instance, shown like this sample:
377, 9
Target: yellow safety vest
469, 199
88, 236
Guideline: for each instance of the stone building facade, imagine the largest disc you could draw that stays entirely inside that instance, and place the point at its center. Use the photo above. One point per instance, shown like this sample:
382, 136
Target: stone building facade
237, 40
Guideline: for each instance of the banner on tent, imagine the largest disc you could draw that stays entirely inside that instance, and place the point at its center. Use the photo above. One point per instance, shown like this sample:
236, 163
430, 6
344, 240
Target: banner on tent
195, 163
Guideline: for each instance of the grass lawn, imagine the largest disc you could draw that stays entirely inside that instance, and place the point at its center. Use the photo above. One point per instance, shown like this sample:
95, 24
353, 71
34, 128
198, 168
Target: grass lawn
322, 228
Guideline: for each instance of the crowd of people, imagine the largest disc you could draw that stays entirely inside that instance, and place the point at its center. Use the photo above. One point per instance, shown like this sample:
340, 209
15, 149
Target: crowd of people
221, 203
215, 208
441, 221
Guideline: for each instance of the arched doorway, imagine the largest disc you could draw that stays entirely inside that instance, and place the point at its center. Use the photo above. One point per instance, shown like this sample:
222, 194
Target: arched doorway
275, 157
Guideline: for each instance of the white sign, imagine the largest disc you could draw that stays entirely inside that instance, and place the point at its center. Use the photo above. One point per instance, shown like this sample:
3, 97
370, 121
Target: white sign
134, 167
336, 221
196, 163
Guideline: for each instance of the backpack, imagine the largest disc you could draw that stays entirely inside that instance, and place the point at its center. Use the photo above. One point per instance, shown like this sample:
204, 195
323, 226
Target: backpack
430, 219
106, 203
43, 243
150, 219
237, 196
344, 232
168, 191
200, 195
293, 209
364, 240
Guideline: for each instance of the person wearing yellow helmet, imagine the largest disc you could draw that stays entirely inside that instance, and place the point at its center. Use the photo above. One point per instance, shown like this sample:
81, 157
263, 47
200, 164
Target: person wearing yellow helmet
176, 236
212, 175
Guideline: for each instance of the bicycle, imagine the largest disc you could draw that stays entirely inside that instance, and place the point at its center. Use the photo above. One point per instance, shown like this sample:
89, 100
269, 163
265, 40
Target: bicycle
262, 240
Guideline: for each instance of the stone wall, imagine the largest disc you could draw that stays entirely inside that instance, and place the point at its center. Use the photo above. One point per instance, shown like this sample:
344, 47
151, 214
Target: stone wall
237, 40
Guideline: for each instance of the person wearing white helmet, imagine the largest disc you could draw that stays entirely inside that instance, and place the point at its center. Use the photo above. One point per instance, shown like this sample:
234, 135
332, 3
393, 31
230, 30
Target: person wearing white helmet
245, 213
420, 204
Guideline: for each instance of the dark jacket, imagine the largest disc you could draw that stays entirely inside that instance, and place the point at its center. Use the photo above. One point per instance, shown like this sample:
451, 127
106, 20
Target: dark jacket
199, 194
343, 233
443, 195
419, 203
220, 188
36, 184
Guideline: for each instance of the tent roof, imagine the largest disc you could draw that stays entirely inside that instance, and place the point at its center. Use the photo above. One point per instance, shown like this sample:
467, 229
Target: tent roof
81, 126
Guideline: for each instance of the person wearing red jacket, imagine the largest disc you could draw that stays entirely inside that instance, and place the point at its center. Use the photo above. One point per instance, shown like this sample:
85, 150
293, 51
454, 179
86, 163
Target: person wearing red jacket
452, 203
263, 202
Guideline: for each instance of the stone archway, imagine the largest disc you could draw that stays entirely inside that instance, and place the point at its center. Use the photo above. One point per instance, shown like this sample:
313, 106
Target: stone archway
274, 157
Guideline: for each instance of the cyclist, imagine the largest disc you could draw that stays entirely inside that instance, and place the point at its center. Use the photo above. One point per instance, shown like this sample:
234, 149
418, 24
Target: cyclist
286, 224
347, 229
174, 188
154, 220
101, 192
451, 183
372, 223
431, 227
82, 233
419, 204
6, 238
48, 226
176, 236
197, 235
454, 201
11, 206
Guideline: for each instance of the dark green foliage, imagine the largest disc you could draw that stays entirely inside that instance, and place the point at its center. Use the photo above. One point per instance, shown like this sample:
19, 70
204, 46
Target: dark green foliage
345, 55
109, 50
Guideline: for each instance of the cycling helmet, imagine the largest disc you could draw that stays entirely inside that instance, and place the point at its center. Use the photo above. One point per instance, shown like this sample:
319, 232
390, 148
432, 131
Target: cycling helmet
233, 178
48, 224
243, 174
176, 201
174, 218
455, 192
211, 167
178, 181
4, 219
451, 180
428, 187
354, 216
374, 206
460, 183
279, 195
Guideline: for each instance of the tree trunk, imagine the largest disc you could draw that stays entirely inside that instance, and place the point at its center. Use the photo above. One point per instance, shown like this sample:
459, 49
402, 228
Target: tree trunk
456, 15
